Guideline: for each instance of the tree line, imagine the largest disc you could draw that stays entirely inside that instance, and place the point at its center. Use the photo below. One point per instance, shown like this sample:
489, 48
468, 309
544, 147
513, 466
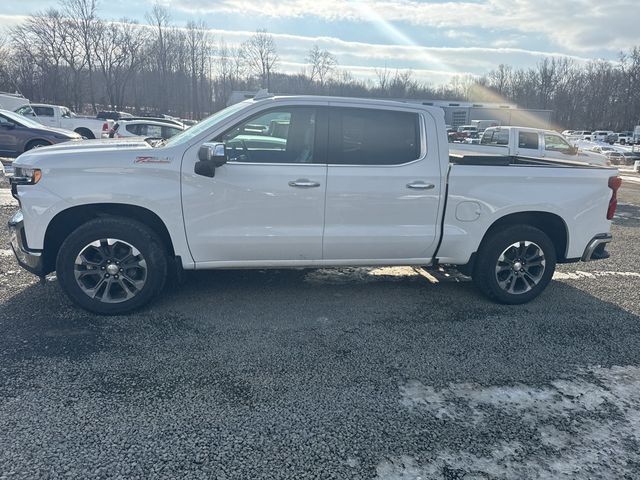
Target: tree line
70, 55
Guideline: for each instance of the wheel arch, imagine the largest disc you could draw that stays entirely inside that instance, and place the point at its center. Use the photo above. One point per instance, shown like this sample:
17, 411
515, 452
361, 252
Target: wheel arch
71, 218
550, 223
35, 139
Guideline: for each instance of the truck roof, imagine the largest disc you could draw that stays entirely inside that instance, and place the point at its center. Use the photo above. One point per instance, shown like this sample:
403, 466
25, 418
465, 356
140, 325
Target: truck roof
524, 129
356, 100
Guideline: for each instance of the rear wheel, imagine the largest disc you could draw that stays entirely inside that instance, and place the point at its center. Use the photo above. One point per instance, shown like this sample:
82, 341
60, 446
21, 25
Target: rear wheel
86, 133
514, 265
112, 265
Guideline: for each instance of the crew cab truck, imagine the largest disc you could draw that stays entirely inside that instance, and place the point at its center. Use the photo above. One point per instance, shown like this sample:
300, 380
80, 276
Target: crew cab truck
61, 117
532, 142
277, 182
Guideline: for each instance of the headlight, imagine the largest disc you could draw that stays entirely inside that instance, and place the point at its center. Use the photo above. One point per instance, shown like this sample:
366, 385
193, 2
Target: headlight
26, 176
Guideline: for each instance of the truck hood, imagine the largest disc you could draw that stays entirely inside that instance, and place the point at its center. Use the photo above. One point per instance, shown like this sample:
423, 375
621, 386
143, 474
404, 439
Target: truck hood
85, 149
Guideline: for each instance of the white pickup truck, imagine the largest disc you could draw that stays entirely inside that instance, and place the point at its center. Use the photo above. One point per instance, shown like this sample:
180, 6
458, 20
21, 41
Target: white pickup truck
532, 142
278, 182
61, 117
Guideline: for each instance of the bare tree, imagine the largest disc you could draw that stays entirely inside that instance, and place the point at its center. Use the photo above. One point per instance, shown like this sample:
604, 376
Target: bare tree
322, 64
383, 76
199, 46
118, 54
158, 18
262, 56
82, 14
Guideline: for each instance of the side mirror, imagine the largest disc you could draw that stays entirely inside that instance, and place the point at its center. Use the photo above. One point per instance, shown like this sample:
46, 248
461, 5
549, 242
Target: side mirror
211, 156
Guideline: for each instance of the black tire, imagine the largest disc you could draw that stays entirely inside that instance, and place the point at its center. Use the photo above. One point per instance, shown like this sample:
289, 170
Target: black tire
490, 258
86, 133
129, 234
35, 144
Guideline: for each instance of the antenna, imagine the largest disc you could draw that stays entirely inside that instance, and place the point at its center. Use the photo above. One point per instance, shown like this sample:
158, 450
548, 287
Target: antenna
262, 93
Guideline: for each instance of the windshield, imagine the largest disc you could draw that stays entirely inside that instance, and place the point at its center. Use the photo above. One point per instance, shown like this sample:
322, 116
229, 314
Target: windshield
21, 120
205, 125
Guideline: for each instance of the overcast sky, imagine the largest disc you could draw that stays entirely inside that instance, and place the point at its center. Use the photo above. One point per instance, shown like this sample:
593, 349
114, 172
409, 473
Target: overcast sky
435, 39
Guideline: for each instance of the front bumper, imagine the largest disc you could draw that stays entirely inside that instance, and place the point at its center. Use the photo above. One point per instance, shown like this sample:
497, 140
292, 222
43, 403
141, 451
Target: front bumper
596, 248
30, 260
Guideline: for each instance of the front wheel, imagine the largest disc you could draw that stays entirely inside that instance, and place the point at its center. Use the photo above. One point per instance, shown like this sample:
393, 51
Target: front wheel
112, 265
514, 265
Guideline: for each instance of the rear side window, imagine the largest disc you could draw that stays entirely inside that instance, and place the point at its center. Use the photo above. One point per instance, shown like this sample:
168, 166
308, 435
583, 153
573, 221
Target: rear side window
43, 111
360, 136
134, 129
528, 140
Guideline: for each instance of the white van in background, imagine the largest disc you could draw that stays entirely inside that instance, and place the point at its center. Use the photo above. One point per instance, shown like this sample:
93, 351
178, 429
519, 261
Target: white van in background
12, 101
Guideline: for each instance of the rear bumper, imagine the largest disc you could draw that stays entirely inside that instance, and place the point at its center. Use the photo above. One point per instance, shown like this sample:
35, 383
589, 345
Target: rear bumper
595, 249
30, 260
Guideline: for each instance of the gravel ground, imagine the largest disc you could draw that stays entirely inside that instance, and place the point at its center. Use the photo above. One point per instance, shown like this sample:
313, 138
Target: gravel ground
349, 374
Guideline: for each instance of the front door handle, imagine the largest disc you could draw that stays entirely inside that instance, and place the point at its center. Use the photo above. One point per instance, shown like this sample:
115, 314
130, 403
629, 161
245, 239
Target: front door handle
420, 186
303, 183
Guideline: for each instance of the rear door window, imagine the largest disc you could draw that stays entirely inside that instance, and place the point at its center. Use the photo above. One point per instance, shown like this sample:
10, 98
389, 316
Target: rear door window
362, 136
43, 111
528, 140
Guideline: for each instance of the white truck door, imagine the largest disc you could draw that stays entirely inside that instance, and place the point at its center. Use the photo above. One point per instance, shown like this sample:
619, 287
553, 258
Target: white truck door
528, 144
266, 205
46, 116
383, 186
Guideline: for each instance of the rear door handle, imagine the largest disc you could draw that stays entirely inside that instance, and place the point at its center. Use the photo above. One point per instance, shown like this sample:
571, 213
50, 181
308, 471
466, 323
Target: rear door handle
303, 183
420, 186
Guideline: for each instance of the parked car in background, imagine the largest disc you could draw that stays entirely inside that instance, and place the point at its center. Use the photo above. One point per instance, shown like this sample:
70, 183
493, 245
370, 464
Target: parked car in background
625, 138
615, 157
532, 142
636, 135
603, 149
463, 132
567, 133
19, 134
145, 129
631, 157
580, 135
113, 115
61, 117
606, 136
11, 101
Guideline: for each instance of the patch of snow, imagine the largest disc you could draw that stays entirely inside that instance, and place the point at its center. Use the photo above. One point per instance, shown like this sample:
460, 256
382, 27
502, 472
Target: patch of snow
577, 275
586, 427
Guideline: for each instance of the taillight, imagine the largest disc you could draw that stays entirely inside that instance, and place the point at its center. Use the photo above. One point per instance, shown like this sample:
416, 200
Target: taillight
105, 127
614, 185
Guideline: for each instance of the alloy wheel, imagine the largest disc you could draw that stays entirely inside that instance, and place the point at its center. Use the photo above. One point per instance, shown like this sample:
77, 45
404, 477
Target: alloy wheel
520, 267
110, 270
